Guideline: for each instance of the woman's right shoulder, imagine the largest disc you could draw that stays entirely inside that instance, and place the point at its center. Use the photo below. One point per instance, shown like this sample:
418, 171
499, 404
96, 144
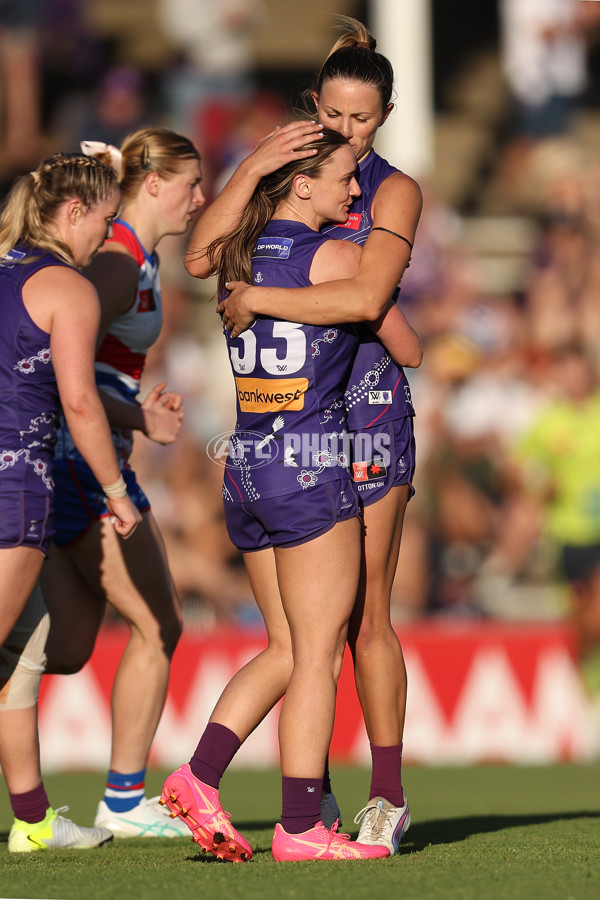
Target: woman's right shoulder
57, 283
335, 259
58, 293
114, 266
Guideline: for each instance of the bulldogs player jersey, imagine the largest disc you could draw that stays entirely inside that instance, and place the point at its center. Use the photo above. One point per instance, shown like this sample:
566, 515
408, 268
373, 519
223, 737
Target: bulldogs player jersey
121, 356
29, 402
378, 389
123, 350
291, 429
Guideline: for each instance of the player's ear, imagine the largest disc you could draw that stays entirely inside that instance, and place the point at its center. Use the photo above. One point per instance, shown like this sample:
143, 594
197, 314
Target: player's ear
386, 113
302, 187
74, 210
152, 183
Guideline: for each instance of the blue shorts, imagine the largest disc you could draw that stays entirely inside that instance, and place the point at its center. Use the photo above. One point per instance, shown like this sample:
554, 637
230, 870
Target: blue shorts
290, 519
383, 458
79, 500
26, 520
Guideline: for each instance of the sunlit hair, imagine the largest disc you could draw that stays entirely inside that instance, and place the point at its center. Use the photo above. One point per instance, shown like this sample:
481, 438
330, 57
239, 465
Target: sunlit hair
353, 57
147, 150
230, 255
33, 201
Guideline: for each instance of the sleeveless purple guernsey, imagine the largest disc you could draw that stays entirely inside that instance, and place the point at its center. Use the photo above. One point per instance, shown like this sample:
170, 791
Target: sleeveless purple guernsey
29, 402
291, 430
378, 390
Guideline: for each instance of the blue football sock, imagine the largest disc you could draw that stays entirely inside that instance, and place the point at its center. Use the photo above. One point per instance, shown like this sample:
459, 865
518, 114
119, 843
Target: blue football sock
124, 791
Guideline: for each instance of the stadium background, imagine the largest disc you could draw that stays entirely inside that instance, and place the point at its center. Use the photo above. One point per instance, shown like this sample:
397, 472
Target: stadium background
497, 669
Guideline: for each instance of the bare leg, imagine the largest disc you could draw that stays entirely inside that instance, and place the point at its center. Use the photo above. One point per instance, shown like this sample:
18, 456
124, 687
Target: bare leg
20, 758
19, 571
318, 587
256, 688
379, 667
133, 576
76, 612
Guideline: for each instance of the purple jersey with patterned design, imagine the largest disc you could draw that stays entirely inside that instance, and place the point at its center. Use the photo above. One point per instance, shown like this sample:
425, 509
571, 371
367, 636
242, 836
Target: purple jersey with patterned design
29, 402
378, 389
291, 430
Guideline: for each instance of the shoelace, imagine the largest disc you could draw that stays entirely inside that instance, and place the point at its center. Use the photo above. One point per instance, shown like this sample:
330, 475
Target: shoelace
333, 833
61, 809
377, 812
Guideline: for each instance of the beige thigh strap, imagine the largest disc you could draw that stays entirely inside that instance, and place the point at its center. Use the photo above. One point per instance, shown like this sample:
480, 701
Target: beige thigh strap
23, 656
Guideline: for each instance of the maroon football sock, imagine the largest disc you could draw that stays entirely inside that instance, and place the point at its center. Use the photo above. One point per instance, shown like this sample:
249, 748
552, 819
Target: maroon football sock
217, 747
386, 777
30, 806
301, 808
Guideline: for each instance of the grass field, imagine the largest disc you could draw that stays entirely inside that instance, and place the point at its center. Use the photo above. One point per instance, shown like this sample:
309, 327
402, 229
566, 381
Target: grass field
485, 832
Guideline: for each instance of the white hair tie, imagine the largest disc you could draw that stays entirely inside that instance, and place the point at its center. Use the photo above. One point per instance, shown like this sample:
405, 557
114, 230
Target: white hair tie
94, 148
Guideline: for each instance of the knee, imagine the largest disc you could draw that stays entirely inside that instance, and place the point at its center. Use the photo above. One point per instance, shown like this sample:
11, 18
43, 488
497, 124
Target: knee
68, 653
280, 652
66, 660
23, 660
371, 634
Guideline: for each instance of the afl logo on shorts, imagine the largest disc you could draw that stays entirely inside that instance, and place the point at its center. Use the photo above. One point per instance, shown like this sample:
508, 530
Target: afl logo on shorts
371, 471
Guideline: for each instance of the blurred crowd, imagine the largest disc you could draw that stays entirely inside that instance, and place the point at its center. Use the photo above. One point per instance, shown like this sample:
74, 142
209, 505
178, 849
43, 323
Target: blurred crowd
508, 395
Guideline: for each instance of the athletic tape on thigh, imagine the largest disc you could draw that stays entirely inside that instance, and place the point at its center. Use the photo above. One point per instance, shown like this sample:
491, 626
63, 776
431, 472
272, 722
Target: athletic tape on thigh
23, 656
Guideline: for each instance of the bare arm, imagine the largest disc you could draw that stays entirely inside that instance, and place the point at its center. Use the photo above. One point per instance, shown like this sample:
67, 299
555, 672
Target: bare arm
399, 337
274, 151
332, 260
159, 416
396, 207
115, 275
335, 259
72, 314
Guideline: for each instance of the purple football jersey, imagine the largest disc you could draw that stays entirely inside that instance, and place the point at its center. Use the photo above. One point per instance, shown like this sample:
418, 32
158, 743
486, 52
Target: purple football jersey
291, 430
378, 389
29, 402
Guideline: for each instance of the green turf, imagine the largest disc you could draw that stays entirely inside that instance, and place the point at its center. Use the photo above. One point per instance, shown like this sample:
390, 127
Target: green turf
485, 832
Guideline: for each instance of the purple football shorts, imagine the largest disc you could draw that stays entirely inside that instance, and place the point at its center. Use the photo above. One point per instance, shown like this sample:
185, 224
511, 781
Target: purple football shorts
383, 458
291, 519
26, 519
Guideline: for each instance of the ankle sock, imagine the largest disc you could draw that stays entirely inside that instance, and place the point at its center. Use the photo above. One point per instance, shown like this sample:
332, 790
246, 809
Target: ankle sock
301, 807
124, 790
216, 748
30, 806
386, 777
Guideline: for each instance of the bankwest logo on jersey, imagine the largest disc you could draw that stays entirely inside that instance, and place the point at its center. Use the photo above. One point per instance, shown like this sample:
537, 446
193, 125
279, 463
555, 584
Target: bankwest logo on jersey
368, 471
380, 398
271, 394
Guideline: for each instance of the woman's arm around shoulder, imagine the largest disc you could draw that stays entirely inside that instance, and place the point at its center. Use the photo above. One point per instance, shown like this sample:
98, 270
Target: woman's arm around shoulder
396, 210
